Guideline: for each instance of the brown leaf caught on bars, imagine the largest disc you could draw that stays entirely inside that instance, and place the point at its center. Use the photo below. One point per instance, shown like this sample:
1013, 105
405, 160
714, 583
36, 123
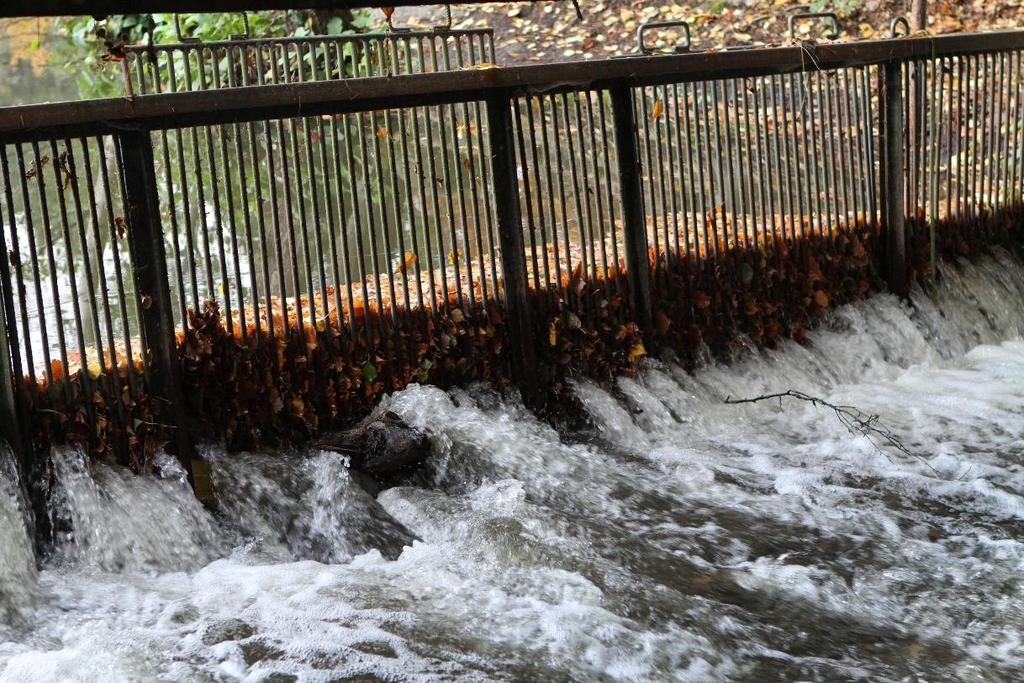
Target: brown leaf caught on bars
407, 261
64, 170
662, 323
32, 171
115, 52
657, 109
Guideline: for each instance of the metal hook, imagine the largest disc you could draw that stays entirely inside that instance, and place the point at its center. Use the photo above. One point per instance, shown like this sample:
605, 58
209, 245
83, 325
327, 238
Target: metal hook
177, 31
646, 49
448, 16
894, 27
245, 26
389, 12
831, 16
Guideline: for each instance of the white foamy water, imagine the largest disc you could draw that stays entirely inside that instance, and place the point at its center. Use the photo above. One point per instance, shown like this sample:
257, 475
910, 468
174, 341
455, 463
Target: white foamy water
679, 537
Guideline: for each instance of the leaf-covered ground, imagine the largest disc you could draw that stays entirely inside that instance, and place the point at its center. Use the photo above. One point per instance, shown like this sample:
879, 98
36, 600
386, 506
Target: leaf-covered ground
551, 31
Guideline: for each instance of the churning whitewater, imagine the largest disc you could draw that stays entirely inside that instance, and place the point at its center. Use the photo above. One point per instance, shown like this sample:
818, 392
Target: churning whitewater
679, 537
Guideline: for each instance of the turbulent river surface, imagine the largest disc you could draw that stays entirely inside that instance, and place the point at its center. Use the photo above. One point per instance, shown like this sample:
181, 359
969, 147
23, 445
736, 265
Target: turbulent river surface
681, 538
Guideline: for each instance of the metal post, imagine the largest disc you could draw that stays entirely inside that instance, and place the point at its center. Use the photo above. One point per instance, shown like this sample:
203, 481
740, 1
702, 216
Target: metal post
513, 251
9, 423
893, 228
639, 269
149, 267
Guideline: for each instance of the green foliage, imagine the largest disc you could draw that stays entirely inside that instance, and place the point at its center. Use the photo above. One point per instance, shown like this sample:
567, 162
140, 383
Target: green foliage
89, 40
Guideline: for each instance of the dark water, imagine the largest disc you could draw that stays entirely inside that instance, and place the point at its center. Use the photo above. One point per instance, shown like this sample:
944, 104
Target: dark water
680, 539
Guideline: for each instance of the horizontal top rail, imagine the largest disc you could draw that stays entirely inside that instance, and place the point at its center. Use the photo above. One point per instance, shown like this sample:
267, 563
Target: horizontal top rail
55, 8
176, 110
303, 40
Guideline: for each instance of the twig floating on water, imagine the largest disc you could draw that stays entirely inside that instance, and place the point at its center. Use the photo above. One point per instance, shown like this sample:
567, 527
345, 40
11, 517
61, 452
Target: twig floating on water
855, 420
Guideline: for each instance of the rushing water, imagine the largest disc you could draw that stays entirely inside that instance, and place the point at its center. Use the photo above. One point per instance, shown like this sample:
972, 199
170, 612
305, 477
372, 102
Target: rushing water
679, 538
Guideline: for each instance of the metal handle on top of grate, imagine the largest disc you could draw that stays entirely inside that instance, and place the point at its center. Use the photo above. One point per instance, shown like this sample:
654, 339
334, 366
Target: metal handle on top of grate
832, 18
894, 27
646, 49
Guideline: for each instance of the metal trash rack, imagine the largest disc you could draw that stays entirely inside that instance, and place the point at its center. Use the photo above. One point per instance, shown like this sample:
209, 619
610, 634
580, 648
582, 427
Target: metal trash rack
415, 194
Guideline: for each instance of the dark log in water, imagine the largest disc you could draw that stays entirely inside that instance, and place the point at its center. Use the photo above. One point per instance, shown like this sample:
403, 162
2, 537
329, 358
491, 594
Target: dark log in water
382, 446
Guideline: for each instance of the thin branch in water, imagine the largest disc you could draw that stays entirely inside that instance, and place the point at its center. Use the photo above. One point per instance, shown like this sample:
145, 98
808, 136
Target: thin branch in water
856, 421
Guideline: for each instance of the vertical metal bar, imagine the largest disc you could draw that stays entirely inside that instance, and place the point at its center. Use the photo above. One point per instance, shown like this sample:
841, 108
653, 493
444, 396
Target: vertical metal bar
563, 200
784, 180
71, 178
976, 99
577, 189
854, 120
118, 270
648, 168
368, 205
869, 119
667, 118
1018, 131
217, 219
603, 118
741, 153
149, 267
599, 204
991, 121
1002, 113
244, 200
686, 175
510, 235
760, 133
895, 238
947, 68
638, 266
484, 174
550, 187
708, 203
10, 424
837, 148
934, 139
232, 222
803, 183
540, 193
527, 190
115, 380
586, 189
443, 134
18, 264
815, 122
51, 262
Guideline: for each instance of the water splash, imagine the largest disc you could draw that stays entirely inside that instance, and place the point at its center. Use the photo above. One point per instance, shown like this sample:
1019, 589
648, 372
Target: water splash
17, 560
682, 538
125, 522
303, 506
